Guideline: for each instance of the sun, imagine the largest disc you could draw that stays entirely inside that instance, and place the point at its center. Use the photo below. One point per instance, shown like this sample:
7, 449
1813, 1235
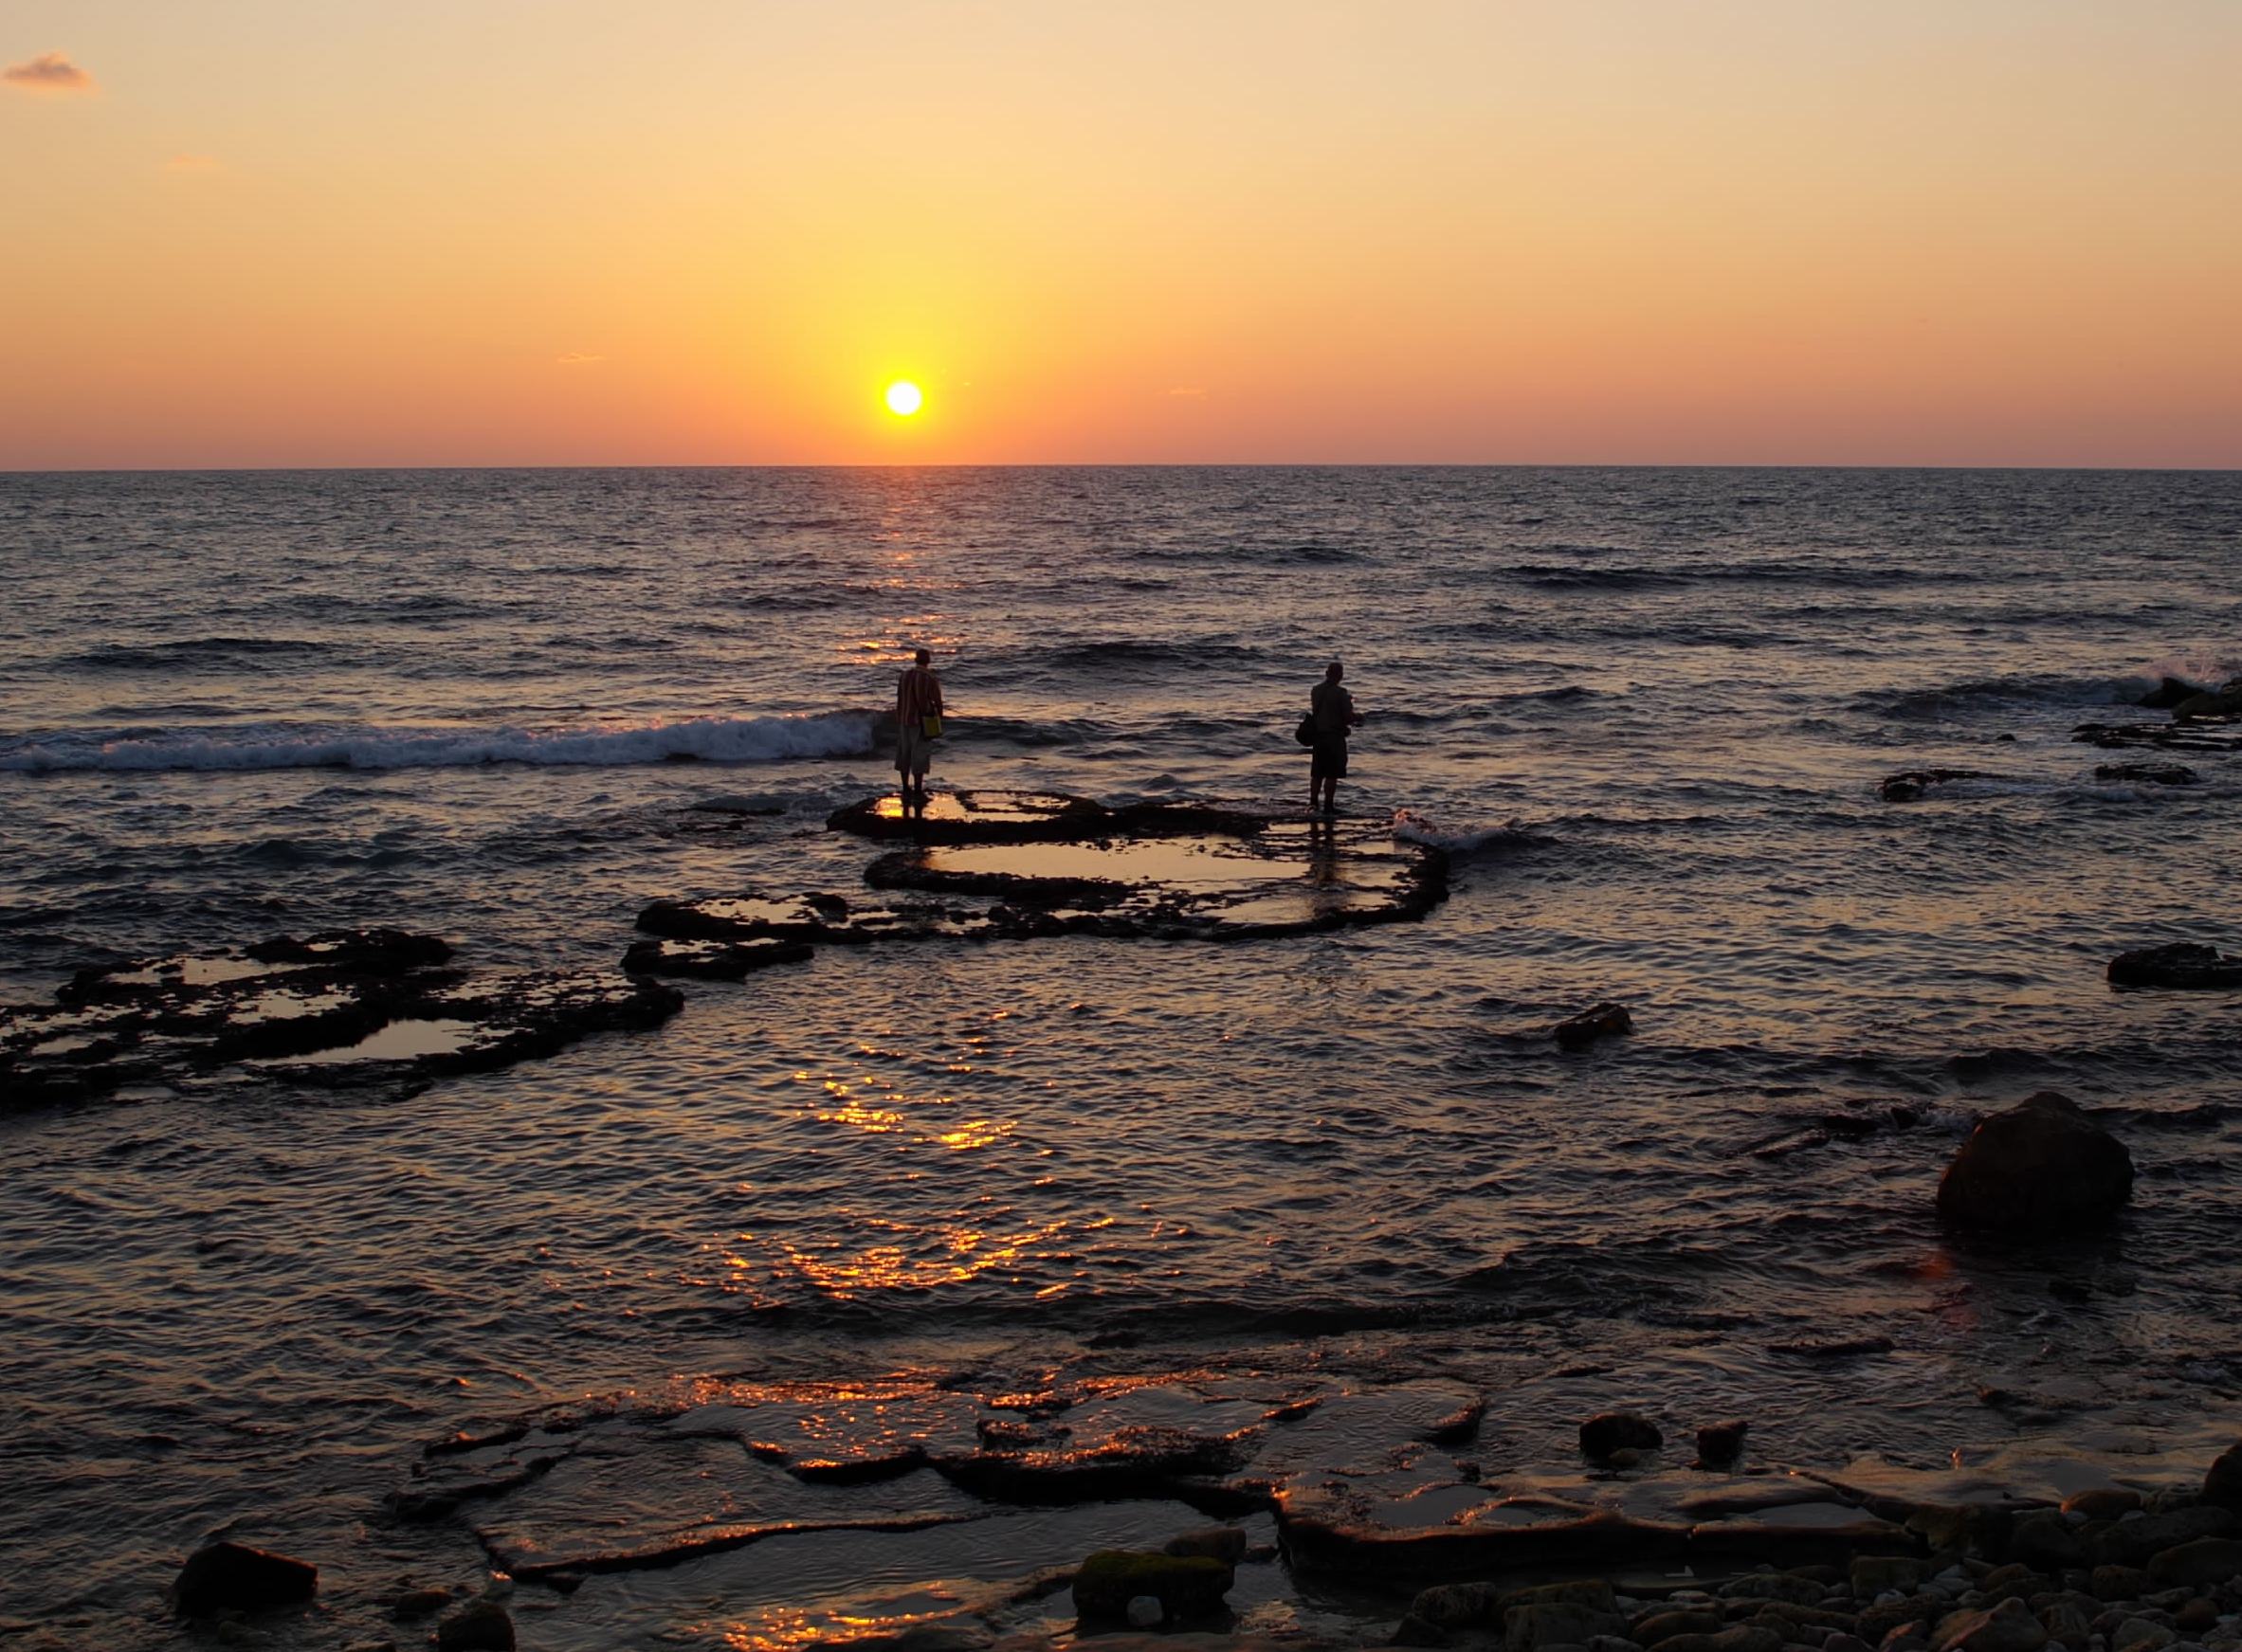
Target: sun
903, 398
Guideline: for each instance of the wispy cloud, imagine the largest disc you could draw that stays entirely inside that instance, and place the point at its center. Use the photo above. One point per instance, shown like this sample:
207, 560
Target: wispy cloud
1191, 391
578, 358
48, 72
192, 163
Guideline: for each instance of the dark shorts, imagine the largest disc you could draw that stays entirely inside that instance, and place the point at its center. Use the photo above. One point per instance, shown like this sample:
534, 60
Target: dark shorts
1328, 760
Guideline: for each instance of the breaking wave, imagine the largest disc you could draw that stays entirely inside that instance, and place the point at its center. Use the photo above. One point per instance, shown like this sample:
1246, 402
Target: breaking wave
706, 740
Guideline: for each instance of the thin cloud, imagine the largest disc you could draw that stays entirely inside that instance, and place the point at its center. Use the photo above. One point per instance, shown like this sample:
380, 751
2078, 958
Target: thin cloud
1192, 393
192, 163
49, 71
578, 358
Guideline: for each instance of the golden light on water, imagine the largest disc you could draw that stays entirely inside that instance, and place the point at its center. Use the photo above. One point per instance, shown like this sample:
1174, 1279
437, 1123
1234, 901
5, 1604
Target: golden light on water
904, 398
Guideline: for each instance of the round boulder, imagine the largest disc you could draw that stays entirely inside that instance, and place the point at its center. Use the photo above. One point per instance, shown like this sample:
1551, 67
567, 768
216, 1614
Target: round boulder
2040, 1167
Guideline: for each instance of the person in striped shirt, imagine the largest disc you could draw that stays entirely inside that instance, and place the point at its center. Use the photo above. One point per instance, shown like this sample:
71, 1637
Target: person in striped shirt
918, 697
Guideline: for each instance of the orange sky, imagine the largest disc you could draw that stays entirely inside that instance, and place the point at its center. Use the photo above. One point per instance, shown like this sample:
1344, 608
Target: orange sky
252, 232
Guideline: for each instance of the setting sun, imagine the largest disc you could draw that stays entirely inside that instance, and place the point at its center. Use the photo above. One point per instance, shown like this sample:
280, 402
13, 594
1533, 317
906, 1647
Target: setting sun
903, 398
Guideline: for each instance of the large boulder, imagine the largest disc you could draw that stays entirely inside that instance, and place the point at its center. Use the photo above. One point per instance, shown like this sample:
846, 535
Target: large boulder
2169, 692
220, 1577
2133, 1542
2222, 702
2040, 1167
2222, 1486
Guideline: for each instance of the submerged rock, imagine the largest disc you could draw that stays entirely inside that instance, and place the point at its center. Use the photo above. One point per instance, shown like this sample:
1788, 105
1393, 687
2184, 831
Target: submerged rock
2169, 692
1017, 866
712, 960
2040, 1167
2148, 774
2188, 965
1909, 787
1721, 1445
1600, 1021
2225, 701
227, 1576
345, 1007
480, 1626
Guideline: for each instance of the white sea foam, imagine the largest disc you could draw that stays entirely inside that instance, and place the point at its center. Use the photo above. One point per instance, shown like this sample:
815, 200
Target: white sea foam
713, 739
1412, 828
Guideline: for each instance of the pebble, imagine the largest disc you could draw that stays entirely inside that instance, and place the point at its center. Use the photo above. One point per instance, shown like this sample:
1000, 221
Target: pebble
1145, 1611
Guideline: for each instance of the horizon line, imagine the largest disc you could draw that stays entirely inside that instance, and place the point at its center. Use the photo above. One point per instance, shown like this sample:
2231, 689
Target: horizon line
6, 471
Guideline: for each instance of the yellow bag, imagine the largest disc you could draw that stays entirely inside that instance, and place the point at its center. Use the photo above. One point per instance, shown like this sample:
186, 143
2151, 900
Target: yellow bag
931, 726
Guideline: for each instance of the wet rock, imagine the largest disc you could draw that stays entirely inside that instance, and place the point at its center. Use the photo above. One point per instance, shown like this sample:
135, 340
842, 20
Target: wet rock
344, 1007
1414, 1631
1874, 1575
2040, 1167
1459, 1426
2007, 1628
2187, 965
711, 960
2198, 733
2132, 1542
478, 1627
1610, 1431
2222, 1485
1773, 1586
1720, 1446
2066, 1623
2102, 1502
1187, 1585
1533, 1627
2141, 1635
419, 1603
2225, 701
1910, 785
1577, 1032
1592, 1592
1654, 1628
1456, 1606
2046, 1540
2148, 774
2195, 1615
1924, 1607
1026, 817
1841, 1642
1145, 1611
2015, 1579
1224, 1543
1744, 1638
2169, 692
2118, 1583
2205, 1560
227, 1576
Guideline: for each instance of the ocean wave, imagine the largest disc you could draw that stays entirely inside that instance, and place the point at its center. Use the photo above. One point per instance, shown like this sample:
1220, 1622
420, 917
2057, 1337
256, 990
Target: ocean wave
196, 654
1998, 693
710, 739
1412, 828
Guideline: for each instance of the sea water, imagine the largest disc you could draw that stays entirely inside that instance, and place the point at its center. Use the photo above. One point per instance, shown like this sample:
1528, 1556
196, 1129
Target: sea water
1646, 710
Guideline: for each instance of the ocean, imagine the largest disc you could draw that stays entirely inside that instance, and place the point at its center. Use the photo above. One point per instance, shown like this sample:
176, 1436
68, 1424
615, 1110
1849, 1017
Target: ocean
1645, 712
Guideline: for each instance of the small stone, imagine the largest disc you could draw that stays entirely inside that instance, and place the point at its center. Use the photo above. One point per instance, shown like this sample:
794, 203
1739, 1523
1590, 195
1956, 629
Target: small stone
1774, 1586
2141, 1635
2102, 1502
1145, 1611
2066, 1623
1841, 1642
1452, 1605
1612, 1643
2005, 1627
2118, 1583
1591, 1592
2196, 1616
1414, 1631
1534, 1627
2005, 1581
419, 1603
1744, 1638
227, 1576
2045, 1541
1873, 1575
1649, 1631
478, 1627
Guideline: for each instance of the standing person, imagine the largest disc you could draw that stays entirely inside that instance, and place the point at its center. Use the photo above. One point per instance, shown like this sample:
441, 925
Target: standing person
918, 702
1332, 709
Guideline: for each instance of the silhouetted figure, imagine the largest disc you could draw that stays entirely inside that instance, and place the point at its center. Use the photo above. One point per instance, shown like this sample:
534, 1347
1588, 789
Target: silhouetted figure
1332, 709
917, 725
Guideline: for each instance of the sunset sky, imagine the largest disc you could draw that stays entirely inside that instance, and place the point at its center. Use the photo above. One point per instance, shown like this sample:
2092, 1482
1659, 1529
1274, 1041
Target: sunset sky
263, 232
